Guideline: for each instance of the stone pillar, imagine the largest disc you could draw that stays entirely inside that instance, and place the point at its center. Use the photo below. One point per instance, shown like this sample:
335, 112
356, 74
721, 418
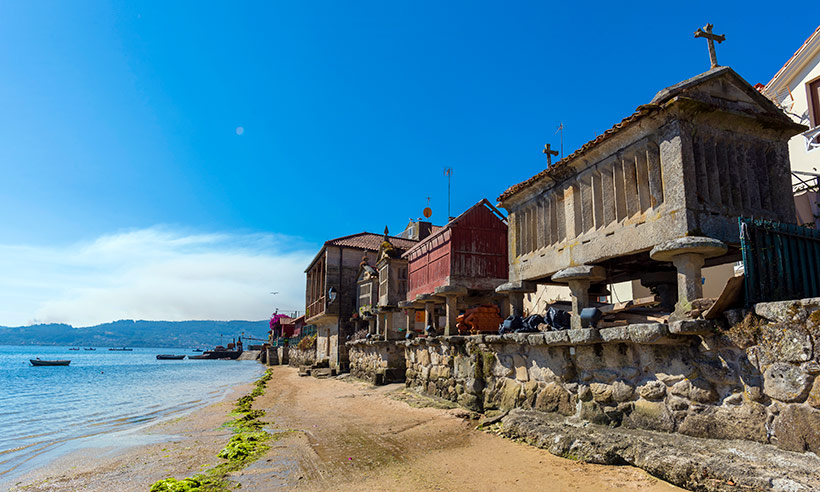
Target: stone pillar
516, 300
430, 315
688, 255
579, 279
451, 293
388, 326
411, 319
515, 294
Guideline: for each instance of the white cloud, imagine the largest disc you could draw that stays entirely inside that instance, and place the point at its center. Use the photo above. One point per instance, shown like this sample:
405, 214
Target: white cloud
154, 274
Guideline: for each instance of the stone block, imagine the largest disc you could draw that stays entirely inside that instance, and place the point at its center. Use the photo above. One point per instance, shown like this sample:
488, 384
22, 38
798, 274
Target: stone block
787, 311
556, 337
693, 327
622, 391
510, 395
702, 391
650, 415
681, 388
785, 342
520, 364
604, 375
614, 334
797, 428
492, 339
814, 394
647, 333
583, 336
652, 390
738, 422
630, 373
785, 382
554, 398
601, 393
537, 339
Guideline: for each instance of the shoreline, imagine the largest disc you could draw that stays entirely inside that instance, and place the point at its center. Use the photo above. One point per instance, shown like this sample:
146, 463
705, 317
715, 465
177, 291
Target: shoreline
178, 442
338, 434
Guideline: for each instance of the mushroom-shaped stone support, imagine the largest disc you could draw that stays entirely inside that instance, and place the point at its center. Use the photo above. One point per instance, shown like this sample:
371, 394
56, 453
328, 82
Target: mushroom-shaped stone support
579, 279
451, 294
688, 255
515, 291
429, 301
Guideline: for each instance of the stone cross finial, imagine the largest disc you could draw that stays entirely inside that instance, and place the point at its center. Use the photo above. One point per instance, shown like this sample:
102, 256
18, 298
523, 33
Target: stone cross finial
706, 32
547, 150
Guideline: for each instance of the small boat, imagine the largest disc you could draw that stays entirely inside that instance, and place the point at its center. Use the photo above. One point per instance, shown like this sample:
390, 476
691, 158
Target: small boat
121, 349
170, 357
199, 357
196, 350
39, 362
90, 348
74, 348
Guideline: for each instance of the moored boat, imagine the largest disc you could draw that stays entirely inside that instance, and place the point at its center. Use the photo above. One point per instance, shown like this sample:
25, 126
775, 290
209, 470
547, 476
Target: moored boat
170, 357
39, 362
90, 348
120, 349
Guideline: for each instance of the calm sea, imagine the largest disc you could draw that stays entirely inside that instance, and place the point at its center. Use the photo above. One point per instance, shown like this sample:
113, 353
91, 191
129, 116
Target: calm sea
47, 411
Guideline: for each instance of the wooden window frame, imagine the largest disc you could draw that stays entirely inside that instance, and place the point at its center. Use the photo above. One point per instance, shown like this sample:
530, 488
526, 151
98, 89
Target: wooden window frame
813, 99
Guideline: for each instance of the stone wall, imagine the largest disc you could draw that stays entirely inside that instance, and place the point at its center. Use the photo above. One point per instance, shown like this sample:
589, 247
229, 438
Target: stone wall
297, 357
756, 380
377, 361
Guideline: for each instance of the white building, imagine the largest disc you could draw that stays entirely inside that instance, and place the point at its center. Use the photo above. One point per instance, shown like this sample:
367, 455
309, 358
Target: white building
796, 89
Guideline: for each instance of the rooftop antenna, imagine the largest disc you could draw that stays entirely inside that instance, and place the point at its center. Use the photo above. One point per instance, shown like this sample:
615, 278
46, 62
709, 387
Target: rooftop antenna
448, 171
561, 131
427, 210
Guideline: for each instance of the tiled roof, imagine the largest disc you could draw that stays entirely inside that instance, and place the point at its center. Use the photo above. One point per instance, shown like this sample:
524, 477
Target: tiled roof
642, 111
796, 53
370, 241
639, 113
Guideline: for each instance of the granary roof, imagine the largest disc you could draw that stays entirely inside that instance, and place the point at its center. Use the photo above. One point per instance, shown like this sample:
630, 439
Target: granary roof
641, 112
456, 220
370, 241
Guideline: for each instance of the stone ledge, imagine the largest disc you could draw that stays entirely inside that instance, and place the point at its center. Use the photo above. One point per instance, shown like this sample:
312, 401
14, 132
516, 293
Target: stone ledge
689, 462
372, 343
693, 327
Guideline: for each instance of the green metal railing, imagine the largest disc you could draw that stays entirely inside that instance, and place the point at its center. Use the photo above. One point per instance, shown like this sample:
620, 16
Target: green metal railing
780, 261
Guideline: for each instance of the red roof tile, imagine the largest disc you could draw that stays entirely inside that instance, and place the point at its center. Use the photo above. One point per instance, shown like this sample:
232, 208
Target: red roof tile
369, 241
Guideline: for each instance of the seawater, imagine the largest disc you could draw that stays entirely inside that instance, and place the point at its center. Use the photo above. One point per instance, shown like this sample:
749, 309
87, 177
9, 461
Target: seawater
48, 411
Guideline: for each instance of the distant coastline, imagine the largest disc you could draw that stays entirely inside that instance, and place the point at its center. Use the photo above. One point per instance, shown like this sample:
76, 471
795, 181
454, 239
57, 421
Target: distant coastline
131, 333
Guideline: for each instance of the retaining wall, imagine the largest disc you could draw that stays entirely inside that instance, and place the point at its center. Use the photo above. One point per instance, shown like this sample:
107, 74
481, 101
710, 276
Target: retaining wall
754, 379
297, 357
377, 361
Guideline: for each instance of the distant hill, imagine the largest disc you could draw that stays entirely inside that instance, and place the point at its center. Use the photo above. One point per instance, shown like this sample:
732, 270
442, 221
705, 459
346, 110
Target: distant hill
130, 333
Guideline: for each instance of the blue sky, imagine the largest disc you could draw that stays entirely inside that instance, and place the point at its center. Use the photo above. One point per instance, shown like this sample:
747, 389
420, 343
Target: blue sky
120, 119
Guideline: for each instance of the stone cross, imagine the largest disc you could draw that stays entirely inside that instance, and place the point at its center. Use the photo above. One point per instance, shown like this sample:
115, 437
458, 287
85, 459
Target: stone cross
550, 153
706, 32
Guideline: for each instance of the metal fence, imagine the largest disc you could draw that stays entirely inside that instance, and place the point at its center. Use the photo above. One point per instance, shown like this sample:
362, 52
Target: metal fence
780, 261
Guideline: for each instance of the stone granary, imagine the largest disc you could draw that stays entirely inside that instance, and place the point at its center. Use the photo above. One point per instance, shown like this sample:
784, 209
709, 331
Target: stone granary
656, 197
331, 291
458, 266
380, 289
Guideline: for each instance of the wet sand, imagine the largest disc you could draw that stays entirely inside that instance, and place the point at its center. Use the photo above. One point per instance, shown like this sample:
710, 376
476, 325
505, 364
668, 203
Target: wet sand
341, 435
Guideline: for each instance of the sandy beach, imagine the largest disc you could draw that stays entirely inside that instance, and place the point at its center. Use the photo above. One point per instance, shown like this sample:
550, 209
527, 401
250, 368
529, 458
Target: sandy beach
338, 435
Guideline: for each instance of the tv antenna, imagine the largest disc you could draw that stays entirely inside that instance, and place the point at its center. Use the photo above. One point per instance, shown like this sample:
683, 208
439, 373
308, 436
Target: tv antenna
448, 171
561, 131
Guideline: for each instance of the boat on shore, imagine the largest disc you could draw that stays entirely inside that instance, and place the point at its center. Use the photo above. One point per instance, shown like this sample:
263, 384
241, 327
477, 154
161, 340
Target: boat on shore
170, 357
114, 349
231, 352
40, 362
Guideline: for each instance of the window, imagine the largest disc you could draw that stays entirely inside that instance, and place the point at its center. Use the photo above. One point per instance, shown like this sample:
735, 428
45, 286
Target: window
814, 102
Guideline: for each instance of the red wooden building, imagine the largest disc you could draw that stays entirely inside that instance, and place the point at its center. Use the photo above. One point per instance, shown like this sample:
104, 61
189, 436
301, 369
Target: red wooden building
463, 263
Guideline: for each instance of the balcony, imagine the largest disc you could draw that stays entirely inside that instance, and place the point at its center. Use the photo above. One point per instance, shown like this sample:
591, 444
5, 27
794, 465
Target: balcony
315, 308
812, 139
